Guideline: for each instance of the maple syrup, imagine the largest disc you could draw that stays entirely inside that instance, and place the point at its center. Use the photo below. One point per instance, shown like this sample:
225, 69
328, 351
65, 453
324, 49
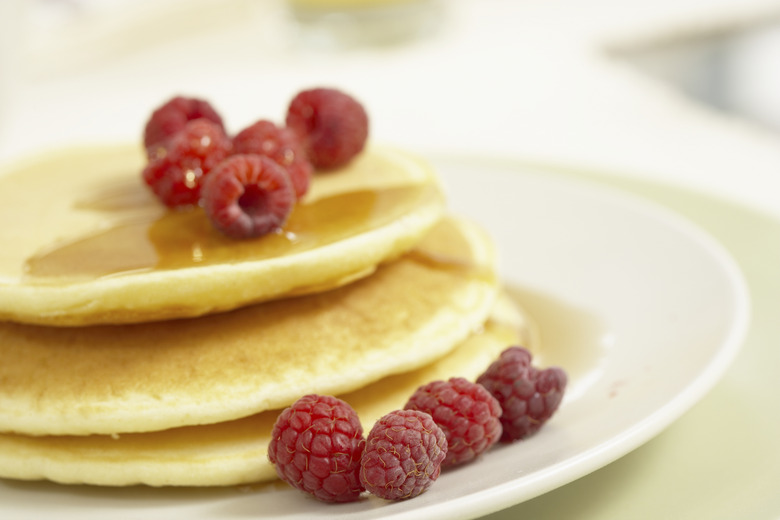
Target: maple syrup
185, 238
572, 337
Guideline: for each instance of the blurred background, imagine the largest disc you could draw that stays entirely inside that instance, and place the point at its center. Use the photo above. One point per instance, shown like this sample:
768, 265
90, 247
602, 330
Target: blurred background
680, 93
684, 91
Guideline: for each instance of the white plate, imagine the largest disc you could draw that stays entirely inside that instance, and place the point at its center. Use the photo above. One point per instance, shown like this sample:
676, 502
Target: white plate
643, 310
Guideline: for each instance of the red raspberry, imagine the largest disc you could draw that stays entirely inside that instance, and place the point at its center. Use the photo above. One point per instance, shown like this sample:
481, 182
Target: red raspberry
466, 412
403, 456
332, 126
168, 119
280, 144
248, 196
316, 445
528, 396
176, 175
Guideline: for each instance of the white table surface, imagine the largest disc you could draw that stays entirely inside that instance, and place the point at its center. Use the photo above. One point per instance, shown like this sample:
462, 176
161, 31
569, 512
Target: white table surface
542, 81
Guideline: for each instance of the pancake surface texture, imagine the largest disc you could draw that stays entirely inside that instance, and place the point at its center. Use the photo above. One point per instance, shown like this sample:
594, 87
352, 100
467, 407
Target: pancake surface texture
234, 452
152, 376
91, 245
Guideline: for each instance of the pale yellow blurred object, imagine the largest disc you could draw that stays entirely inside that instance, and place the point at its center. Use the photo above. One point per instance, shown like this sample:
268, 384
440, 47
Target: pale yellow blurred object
358, 23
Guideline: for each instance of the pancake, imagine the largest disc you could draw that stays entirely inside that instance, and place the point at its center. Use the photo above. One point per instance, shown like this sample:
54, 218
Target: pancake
234, 452
91, 245
152, 376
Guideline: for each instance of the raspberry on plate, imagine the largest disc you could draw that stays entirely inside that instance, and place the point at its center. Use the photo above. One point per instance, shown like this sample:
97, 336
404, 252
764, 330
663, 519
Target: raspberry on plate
176, 175
466, 411
403, 456
248, 195
168, 119
332, 126
280, 144
528, 396
316, 445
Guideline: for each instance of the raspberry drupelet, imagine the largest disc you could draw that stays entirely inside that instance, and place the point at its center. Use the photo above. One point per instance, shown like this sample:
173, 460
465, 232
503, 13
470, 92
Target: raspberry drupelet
316, 446
403, 455
332, 126
280, 144
528, 396
466, 411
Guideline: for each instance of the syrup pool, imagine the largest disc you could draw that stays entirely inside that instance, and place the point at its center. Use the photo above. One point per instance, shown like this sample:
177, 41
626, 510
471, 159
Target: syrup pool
180, 239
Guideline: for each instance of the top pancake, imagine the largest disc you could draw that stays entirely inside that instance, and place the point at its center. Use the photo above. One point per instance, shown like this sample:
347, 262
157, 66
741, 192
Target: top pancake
85, 242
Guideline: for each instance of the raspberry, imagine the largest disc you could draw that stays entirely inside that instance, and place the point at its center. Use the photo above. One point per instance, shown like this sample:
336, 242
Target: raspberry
528, 396
332, 126
404, 452
466, 412
316, 445
280, 144
176, 175
248, 196
168, 119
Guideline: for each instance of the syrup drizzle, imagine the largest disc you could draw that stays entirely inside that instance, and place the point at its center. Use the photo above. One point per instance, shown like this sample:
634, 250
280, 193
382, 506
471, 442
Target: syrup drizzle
146, 240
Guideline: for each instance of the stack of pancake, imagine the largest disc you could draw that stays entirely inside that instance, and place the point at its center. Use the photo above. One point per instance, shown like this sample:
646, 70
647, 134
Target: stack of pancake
138, 345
